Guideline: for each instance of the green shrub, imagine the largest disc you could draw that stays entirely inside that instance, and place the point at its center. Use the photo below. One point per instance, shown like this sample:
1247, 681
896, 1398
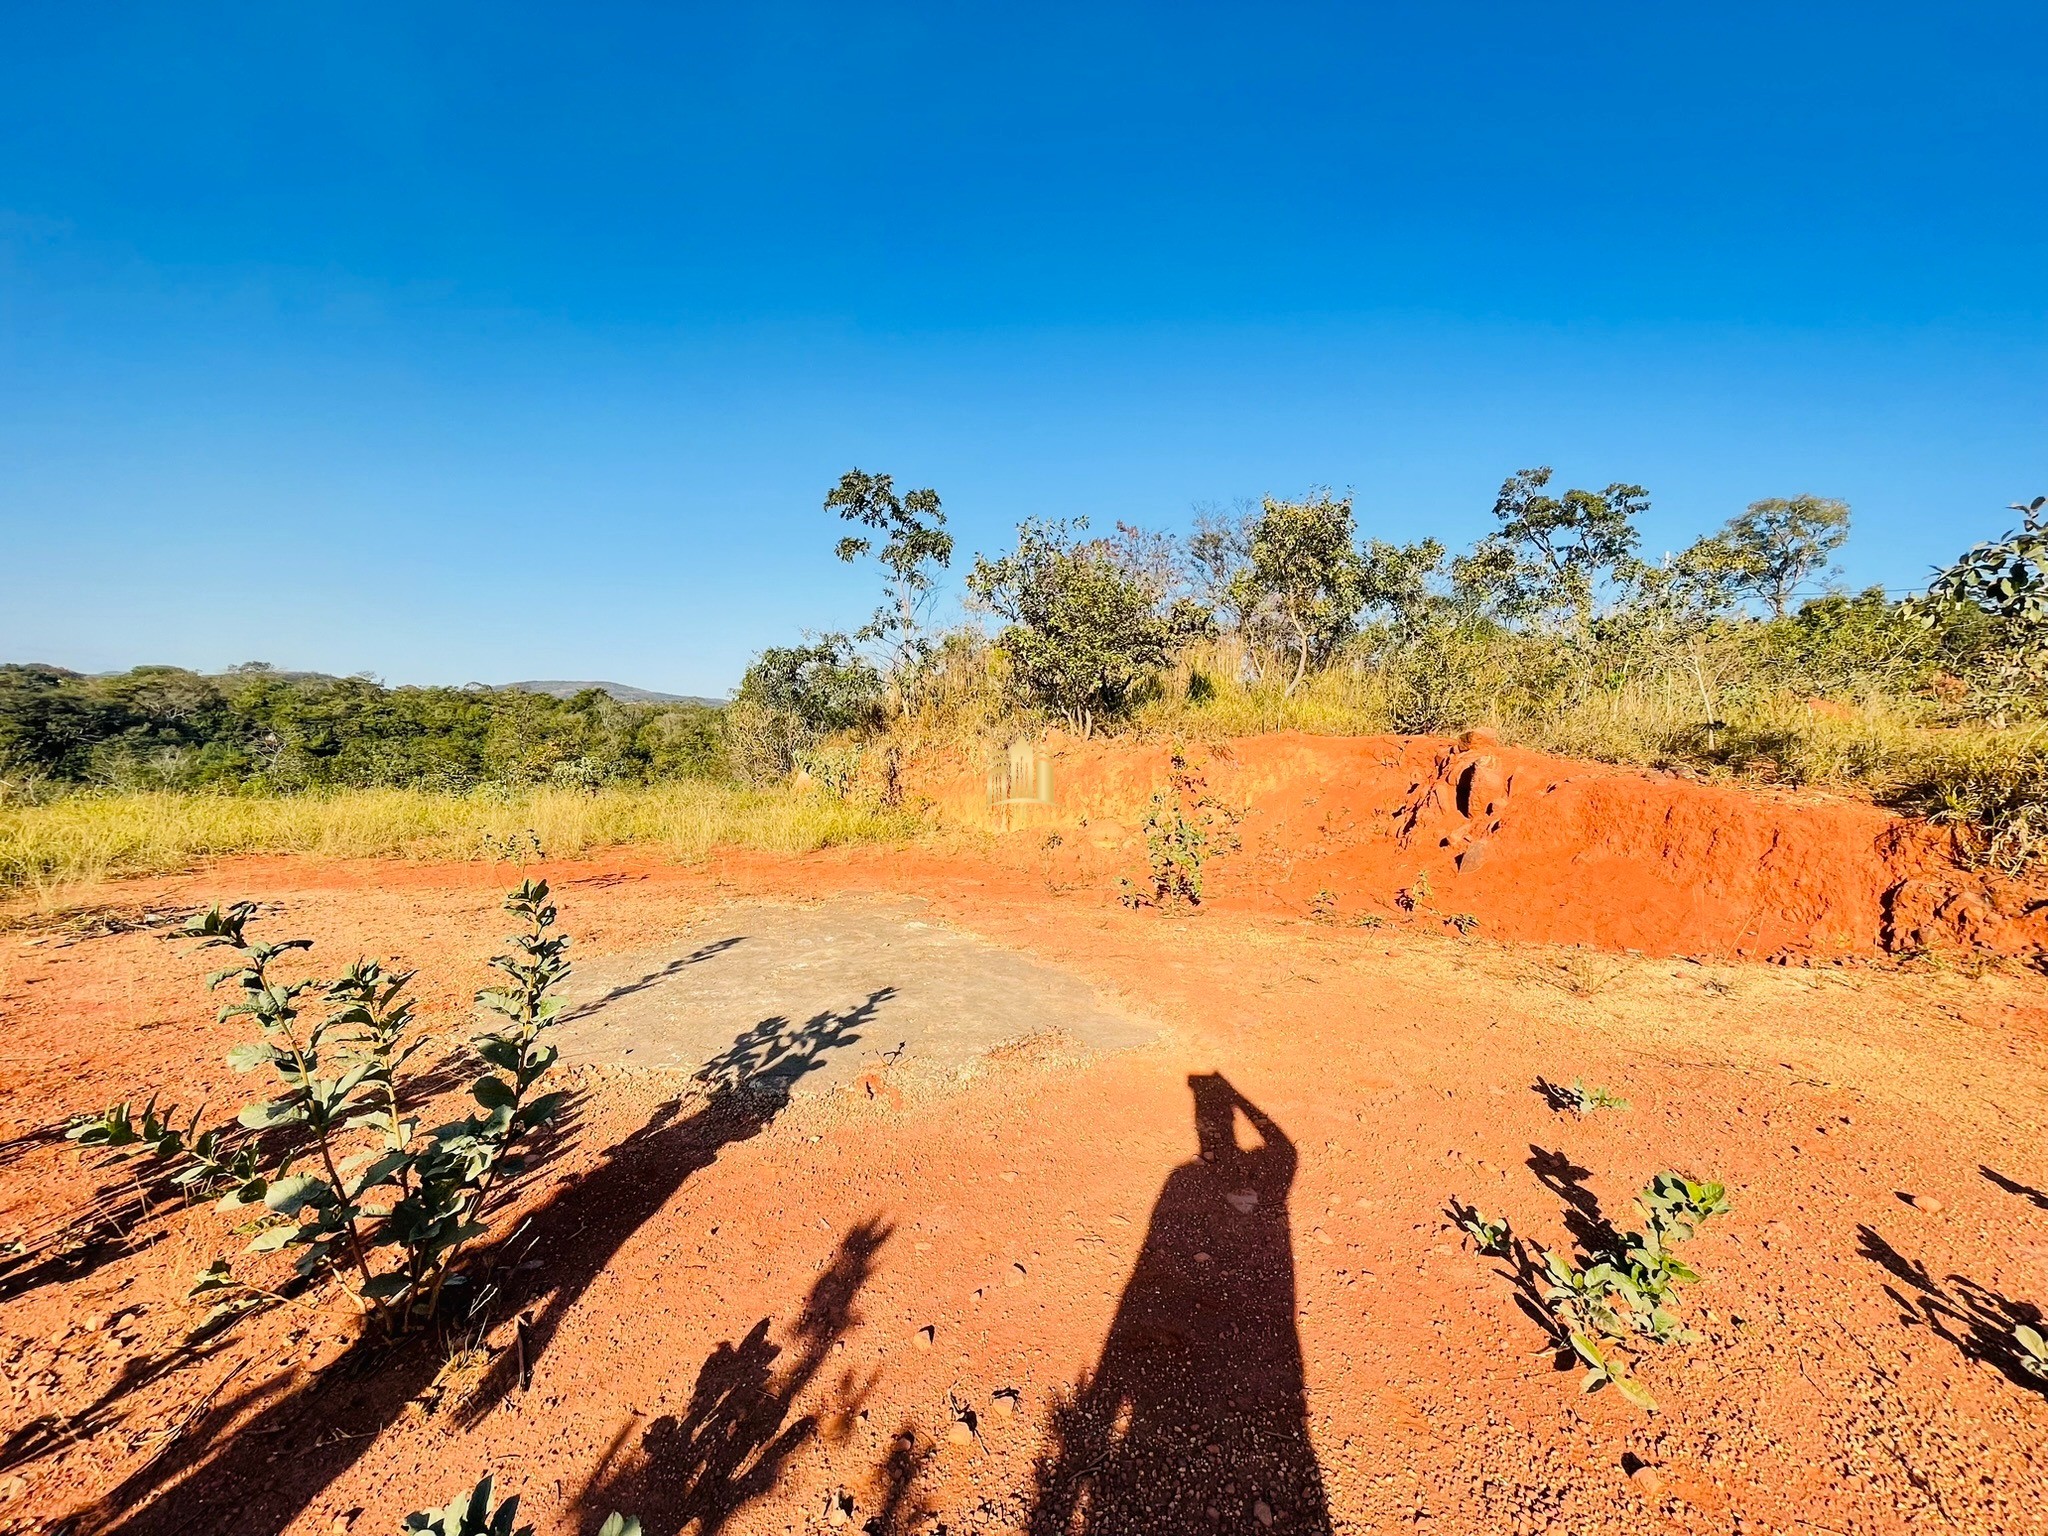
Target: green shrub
332, 1164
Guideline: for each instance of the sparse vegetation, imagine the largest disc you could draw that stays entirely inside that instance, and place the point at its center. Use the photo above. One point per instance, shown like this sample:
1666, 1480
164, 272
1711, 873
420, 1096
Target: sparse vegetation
472, 1514
90, 836
1620, 1298
1490, 1237
334, 1167
1184, 829
2033, 1351
1553, 629
1590, 1099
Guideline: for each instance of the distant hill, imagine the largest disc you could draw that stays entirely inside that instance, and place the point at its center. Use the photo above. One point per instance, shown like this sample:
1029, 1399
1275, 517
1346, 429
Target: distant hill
555, 688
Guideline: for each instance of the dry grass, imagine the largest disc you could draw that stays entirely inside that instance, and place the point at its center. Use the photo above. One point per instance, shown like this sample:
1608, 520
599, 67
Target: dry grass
87, 837
1896, 751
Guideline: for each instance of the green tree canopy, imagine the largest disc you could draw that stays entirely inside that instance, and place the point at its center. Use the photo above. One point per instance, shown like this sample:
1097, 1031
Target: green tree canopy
1777, 545
1084, 626
1551, 555
914, 545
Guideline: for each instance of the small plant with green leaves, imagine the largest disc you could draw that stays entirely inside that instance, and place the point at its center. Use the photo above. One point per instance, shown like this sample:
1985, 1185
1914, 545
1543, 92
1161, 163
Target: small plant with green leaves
331, 1163
2033, 1351
1185, 828
1589, 1099
1322, 907
1467, 923
471, 1514
1610, 1368
1624, 1298
1490, 1237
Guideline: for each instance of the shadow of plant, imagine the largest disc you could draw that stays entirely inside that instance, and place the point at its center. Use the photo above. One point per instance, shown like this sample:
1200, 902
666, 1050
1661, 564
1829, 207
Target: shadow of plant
1975, 1319
210, 1480
731, 1444
653, 978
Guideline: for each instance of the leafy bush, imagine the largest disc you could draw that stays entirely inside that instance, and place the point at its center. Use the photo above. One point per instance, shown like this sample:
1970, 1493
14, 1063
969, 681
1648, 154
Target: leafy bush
333, 1163
1184, 829
1086, 624
795, 696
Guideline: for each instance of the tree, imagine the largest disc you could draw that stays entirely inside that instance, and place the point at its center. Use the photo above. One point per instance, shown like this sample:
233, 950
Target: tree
1302, 582
2006, 580
1551, 555
793, 696
914, 546
1395, 579
1084, 625
1775, 546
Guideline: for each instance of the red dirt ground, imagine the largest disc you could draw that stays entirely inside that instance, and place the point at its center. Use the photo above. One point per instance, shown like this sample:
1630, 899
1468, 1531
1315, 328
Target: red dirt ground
721, 1320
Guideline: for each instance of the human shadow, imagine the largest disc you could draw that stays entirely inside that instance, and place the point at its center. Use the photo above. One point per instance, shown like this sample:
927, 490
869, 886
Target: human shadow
1971, 1317
210, 1481
730, 1445
653, 978
1197, 1410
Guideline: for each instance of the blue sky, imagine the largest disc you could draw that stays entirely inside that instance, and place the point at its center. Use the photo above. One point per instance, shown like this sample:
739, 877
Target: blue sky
456, 343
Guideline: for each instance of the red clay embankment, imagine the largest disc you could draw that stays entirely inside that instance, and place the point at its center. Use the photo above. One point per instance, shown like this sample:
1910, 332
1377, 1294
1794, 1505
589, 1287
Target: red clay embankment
1535, 847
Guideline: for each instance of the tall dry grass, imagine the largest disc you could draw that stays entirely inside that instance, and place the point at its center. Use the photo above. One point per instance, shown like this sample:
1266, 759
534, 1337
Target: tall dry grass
91, 836
1898, 749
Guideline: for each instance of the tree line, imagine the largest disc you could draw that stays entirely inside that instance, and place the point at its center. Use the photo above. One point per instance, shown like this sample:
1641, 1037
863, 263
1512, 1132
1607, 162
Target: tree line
257, 729
1557, 602
1555, 608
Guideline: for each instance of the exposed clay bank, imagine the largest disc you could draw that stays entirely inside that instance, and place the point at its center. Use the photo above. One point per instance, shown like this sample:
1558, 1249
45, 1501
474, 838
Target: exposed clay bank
1533, 847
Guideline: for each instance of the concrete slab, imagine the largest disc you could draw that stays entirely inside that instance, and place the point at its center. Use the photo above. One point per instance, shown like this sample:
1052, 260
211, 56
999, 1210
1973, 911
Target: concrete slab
768, 995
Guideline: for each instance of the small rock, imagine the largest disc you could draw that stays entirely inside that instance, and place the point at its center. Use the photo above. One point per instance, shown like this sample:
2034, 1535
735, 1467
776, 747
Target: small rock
1202, 1258
924, 1336
960, 1434
1927, 1203
1262, 1512
1015, 1276
1243, 1201
1005, 1404
1647, 1478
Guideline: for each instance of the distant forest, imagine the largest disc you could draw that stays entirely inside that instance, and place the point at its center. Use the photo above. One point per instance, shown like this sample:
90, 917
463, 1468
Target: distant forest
259, 729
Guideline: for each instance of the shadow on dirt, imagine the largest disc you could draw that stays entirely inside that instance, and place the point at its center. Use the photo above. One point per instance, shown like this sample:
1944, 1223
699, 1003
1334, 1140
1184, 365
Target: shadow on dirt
306, 1432
1565, 1179
1196, 1412
1556, 1098
2035, 1197
1975, 1319
653, 978
729, 1446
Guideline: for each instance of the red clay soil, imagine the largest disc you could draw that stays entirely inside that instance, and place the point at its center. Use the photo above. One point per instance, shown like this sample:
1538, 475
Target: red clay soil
1534, 847
1208, 1285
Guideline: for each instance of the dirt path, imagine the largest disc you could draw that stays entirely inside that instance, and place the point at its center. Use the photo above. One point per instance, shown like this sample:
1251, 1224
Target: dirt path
1204, 1283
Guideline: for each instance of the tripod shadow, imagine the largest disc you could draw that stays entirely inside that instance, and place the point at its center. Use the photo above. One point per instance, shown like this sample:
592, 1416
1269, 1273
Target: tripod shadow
1197, 1410
211, 1481
730, 1445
